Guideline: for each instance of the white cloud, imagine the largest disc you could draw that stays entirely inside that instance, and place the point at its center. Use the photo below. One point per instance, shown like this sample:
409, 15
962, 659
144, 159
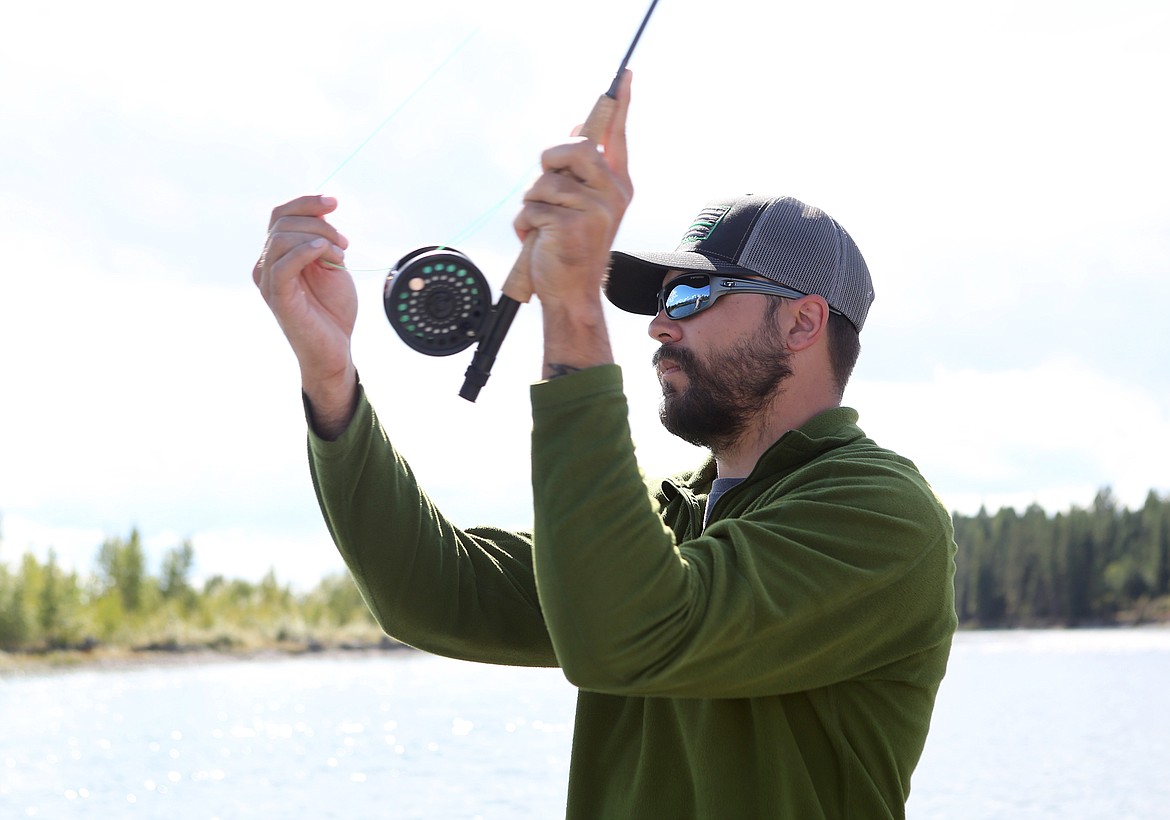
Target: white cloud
301, 560
1052, 434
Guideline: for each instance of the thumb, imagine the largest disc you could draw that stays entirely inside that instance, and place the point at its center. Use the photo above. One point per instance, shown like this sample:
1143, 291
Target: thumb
614, 141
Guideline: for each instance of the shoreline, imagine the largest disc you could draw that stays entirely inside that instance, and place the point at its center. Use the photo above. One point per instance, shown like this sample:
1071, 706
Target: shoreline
117, 658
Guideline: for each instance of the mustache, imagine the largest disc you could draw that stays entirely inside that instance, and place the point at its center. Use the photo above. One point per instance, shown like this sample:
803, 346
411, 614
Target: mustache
685, 359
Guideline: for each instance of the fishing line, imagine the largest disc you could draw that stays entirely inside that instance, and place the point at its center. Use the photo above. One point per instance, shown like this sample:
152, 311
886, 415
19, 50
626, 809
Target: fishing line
439, 302
401, 105
435, 298
486, 216
472, 228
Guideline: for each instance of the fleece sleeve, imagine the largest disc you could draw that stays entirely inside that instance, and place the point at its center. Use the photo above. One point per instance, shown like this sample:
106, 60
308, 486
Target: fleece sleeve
466, 594
841, 576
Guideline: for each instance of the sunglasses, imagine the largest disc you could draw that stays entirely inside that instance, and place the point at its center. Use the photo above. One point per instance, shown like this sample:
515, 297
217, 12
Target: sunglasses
695, 292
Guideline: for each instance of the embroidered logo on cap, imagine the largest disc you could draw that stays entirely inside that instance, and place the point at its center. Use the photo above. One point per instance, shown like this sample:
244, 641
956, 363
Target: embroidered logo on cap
706, 222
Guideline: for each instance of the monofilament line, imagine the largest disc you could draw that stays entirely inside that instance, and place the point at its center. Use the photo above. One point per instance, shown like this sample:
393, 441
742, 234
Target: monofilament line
401, 105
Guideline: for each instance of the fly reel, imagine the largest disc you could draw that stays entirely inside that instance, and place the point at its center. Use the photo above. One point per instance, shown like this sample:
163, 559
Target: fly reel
437, 301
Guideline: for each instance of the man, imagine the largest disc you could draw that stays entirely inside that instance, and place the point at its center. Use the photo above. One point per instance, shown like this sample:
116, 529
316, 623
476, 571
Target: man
774, 653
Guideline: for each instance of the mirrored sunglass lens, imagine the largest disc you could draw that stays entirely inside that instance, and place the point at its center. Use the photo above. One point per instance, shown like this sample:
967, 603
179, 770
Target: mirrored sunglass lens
683, 300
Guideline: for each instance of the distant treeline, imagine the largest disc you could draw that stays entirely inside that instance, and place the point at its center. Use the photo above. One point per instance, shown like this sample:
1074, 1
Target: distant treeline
1096, 566
120, 604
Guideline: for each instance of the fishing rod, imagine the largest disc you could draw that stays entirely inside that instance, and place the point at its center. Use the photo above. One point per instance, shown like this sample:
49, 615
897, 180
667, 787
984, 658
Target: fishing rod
439, 302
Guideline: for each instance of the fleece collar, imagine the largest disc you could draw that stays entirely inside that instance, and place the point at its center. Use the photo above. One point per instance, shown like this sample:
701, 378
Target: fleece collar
825, 431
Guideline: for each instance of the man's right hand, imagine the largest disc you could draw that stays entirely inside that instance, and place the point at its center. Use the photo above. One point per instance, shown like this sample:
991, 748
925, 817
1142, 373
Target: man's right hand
301, 276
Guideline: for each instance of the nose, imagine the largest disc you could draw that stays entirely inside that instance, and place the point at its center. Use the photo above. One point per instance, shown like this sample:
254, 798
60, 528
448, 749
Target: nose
664, 329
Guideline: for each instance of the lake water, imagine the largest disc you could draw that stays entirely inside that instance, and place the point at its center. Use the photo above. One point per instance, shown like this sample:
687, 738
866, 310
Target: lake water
1060, 724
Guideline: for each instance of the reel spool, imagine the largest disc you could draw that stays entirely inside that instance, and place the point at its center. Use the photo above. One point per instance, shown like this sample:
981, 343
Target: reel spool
437, 301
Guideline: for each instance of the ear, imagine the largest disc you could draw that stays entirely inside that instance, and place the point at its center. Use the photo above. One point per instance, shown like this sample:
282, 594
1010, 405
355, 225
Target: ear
810, 320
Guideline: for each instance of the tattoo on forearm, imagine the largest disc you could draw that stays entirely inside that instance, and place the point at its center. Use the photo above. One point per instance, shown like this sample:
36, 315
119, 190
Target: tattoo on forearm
558, 370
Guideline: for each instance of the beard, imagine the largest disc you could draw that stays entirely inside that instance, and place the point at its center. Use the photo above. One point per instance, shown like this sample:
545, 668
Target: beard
725, 394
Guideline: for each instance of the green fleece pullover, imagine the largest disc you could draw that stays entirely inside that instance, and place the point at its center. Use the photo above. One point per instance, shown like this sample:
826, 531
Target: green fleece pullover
783, 662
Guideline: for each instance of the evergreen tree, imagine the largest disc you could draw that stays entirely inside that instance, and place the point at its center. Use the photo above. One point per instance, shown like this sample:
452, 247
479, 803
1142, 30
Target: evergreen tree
1104, 564
14, 626
122, 570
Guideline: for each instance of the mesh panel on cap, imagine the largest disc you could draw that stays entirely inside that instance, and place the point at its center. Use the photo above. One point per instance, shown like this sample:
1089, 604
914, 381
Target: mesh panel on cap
803, 247
782, 239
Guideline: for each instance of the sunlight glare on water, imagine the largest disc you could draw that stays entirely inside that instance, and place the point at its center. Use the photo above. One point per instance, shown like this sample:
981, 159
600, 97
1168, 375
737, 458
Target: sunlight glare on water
404, 735
1059, 724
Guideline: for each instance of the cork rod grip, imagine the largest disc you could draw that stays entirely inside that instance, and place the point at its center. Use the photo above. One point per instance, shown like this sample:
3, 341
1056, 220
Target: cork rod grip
518, 285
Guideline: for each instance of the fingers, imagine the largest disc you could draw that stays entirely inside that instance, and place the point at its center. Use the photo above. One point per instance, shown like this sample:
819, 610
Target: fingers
575, 210
298, 223
606, 127
561, 196
308, 226
540, 214
565, 190
303, 206
284, 248
580, 160
614, 144
287, 267
578, 177
590, 176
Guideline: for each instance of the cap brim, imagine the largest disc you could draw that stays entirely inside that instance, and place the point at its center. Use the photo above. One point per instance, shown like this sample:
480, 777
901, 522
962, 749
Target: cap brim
635, 278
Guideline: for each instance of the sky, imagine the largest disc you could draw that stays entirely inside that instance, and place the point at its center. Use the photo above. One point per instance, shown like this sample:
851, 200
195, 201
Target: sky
1002, 166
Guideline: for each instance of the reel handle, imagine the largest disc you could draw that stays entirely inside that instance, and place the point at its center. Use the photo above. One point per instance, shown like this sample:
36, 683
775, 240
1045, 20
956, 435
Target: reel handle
518, 285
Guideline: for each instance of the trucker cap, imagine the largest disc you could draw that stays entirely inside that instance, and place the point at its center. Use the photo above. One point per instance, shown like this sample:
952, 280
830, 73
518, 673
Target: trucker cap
779, 238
